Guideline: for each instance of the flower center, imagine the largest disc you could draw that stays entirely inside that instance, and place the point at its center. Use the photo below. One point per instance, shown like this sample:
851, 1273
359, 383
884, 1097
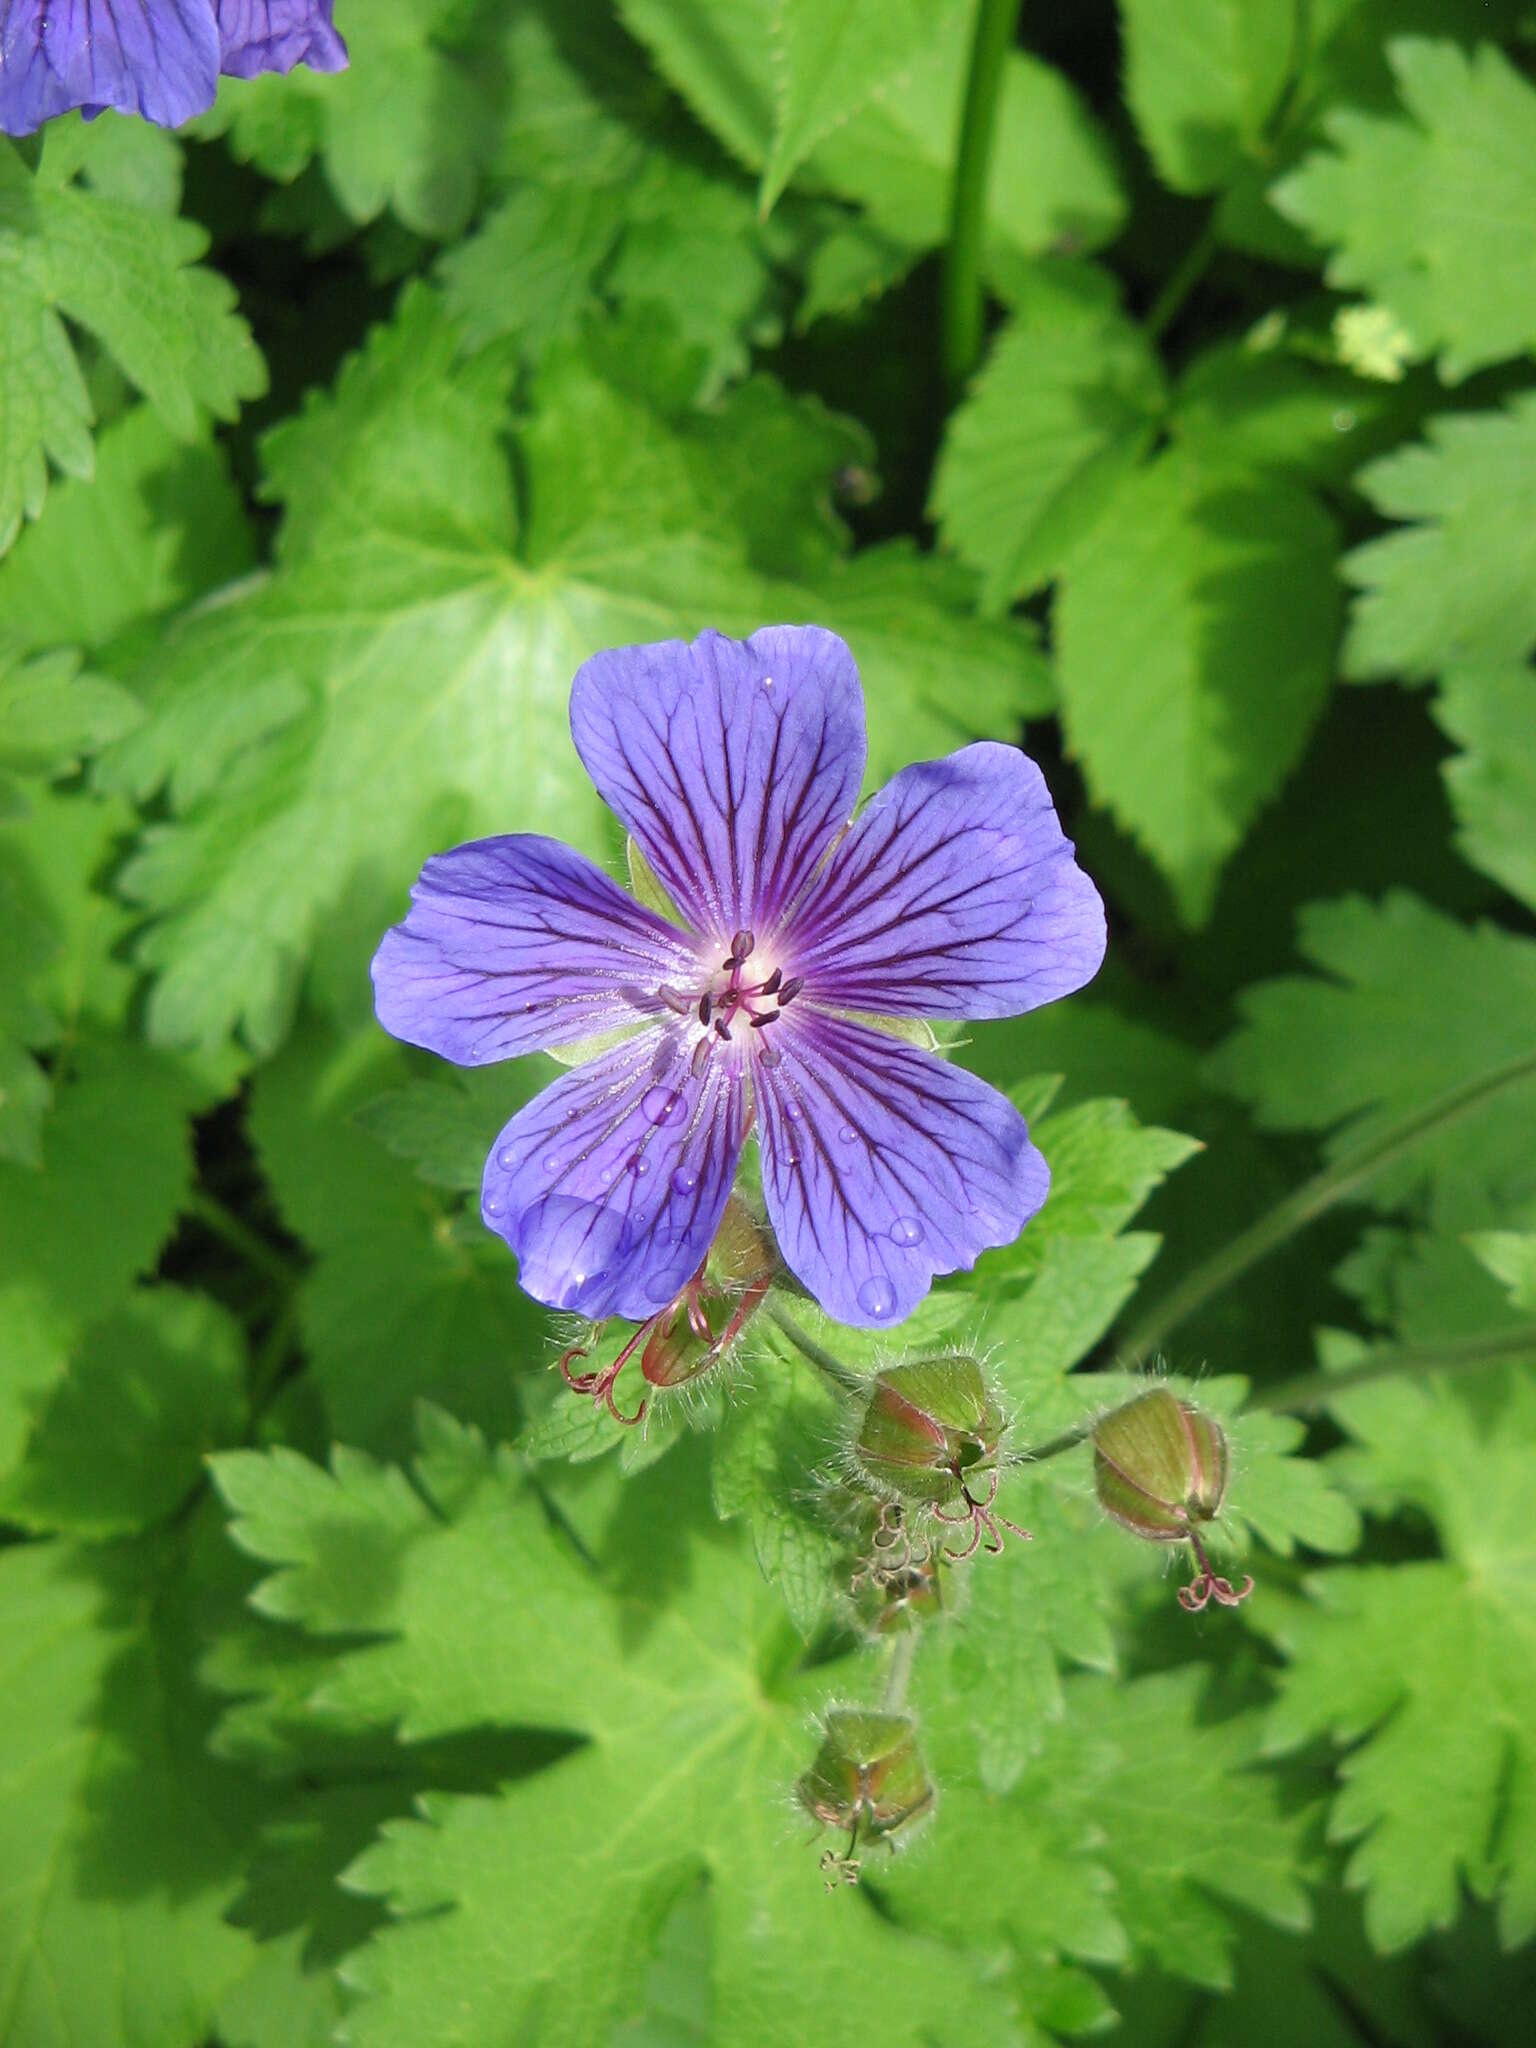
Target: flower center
737, 999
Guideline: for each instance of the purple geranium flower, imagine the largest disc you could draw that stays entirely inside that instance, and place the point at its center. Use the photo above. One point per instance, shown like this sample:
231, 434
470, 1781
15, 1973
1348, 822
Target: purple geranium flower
158, 58
735, 766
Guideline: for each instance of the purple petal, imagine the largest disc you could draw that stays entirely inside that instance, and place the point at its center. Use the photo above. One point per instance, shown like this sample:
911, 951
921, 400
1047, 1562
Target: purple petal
274, 35
610, 1186
158, 58
512, 945
734, 763
883, 1166
955, 895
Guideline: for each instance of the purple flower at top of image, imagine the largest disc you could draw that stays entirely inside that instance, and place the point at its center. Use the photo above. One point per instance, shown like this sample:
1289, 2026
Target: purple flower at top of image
735, 766
158, 58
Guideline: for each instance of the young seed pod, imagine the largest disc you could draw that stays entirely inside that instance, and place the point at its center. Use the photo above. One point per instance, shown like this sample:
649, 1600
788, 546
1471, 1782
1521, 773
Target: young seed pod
929, 1423
691, 1336
1160, 1468
694, 1332
929, 1437
868, 1777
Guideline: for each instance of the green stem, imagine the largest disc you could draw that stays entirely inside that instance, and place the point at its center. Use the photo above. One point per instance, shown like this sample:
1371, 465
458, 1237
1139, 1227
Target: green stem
1036, 1454
271, 1362
239, 1236
894, 1698
843, 1377
1169, 302
964, 302
1310, 1390
1313, 1199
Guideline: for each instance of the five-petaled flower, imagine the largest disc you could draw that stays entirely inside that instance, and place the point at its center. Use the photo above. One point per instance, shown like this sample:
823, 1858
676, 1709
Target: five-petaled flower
158, 58
735, 766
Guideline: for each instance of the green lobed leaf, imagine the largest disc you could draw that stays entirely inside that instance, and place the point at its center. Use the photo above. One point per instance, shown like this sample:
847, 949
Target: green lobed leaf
151, 1389
121, 1843
157, 524
451, 1323
690, 1747
1490, 710
831, 56
1452, 589
775, 1456
1431, 211
1055, 1292
1129, 1838
1053, 180
123, 270
1215, 591
357, 711
410, 124
1408, 1008
1440, 1782
1066, 403
1202, 80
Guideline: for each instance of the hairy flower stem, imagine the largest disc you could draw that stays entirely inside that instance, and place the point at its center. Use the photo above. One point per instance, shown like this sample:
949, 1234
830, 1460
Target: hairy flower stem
899, 1670
1036, 1454
1354, 1170
963, 301
1310, 1390
843, 1377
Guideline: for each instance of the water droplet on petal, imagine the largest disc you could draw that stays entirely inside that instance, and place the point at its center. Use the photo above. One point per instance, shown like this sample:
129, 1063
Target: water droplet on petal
906, 1230
551, 1162
685, 1180
848, 1134
664, 1106
507, 1156
877, 1297
793, 1110
640, 1163
657, 1287
492, 1205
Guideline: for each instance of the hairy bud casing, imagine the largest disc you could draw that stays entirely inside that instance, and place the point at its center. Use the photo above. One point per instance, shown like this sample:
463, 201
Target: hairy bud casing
1160, 1469
869, 1778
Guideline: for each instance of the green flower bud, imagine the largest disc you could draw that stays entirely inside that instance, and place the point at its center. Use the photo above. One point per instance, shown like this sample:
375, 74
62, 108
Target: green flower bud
930, 1430
1160, 1468
868, 1777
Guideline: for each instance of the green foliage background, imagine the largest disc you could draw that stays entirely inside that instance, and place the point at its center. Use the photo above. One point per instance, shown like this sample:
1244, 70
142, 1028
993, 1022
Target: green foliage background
351, 1688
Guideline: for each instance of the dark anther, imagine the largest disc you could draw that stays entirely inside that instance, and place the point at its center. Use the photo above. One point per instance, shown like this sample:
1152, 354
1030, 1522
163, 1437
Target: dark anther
701, 1056
760, 1023
722, 1029
675, 999
742, 944
772, 982
769, 1056
704, 1008
791, 989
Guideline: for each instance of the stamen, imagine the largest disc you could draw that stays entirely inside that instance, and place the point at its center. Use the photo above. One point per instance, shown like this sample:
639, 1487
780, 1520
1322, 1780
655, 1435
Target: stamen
791, 989
769, 1056
761, 1023
701, 1054
742, 943
771, 983
704, 1007
675, 999
722, 1029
